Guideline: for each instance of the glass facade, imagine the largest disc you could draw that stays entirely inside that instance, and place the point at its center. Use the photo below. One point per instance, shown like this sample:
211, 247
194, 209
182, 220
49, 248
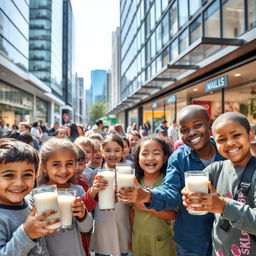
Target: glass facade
45, 45
145, 42
14, 32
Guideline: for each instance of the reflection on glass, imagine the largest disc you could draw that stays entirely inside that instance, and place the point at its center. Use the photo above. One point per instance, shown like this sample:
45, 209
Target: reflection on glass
183, 12
194, 5
212, 20
251, 13
233, 18
164, 4
165, 56
174, 50
165, 29
152, 17
153, 44
158, 9
195, 30
183, 41
173, 19
158, 38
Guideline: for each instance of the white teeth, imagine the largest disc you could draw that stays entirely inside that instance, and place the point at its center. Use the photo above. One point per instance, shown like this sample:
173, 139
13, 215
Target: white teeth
17, 191
233, 150
196, 140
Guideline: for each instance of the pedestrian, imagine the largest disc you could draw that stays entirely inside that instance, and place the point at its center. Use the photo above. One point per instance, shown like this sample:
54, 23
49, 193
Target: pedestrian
173, 133
234, 210
21, 230
58, 165
192, 234
152, 230
72, 131
112, 228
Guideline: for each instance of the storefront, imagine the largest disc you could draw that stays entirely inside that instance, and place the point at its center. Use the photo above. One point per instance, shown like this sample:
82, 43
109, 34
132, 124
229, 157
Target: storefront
15, 105
42, 110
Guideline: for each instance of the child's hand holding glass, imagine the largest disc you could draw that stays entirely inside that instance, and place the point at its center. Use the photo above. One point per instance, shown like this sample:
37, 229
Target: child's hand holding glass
212, 202
36, 225
99, 184
78, 208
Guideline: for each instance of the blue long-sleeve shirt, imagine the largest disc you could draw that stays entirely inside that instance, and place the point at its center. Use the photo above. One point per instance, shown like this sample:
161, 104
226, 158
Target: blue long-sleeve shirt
191, 232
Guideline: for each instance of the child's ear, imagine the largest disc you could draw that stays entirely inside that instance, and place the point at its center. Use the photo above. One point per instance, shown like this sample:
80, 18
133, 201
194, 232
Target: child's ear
251, 135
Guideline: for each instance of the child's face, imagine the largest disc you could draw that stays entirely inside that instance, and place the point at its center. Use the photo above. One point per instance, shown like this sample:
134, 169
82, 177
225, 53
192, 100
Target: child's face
133, 140
233, 142
96, 156
151, 157
60, 167
126, 148
112, 153
80, 168
194, 129
88, 151
62, 134
16, 181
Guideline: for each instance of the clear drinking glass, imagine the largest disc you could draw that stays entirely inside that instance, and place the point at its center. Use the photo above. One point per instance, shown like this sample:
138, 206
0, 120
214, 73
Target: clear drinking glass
125, 176
107, 196
197, 181
66, 196
123, 168
46, 198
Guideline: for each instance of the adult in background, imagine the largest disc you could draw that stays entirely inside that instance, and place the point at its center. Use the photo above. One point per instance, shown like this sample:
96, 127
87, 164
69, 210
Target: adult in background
98, 127
36, 131
72, 131
54, 128
163, 126
25, 128
173, 133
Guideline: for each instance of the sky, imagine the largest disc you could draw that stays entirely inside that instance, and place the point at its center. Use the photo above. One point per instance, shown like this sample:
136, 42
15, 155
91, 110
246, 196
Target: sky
95, 20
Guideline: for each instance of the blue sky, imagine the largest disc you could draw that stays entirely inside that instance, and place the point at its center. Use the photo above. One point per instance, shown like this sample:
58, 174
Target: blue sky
94, 21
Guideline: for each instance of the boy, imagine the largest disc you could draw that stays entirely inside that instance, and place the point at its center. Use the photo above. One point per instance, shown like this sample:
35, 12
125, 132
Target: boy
191, 233
21, 231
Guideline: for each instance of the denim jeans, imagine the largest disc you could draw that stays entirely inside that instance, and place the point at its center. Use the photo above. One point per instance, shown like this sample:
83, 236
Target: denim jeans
184, 252
98, 254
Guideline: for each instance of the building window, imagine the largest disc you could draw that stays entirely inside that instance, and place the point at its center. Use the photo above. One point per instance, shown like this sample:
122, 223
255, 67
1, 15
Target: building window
173, 20
152, 17
148, 51
158, 38
194, 6
153, 44
165, 56
159, 63
174, 50
165, 29
251, 13
158, 10
164, 4
183, 12
195, 30
212, 20
183, 41
233, 18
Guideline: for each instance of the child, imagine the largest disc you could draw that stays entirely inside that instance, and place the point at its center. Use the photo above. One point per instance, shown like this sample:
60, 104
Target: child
152, 230
192, 234
233, 135
134, 138
21, 231
112, 228
127, 150
58, 165
87, 145
61, 133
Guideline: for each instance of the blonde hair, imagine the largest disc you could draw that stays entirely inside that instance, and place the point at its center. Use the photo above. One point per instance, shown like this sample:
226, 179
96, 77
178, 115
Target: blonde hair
49, 147
27, 125
119, 128
83, 141
96, 136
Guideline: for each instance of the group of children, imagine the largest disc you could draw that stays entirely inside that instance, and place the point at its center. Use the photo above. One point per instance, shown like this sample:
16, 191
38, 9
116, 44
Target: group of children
144, 214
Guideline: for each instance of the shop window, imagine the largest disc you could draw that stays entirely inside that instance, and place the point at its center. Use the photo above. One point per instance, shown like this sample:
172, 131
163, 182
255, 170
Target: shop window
233, 18
251, 13
173, 19
183, 12
183, 41
212, 20
195, 30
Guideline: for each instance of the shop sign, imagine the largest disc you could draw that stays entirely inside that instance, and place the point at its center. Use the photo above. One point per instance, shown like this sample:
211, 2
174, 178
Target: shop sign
216, 84
207, 105
171, 99
154, 105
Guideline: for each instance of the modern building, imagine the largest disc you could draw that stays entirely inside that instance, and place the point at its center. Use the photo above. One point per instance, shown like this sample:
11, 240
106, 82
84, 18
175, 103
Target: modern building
180, 52
97, 88
80, 110
23, 97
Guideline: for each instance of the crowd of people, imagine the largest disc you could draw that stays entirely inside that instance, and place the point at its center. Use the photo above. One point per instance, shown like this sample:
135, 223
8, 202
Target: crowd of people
151, 218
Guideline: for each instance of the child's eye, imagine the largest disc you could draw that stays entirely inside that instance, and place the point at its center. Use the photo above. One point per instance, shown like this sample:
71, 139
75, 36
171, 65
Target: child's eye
10, 175
197, 126
221, 140
28, 175
70, 164
183, 131
56, 165
237, 135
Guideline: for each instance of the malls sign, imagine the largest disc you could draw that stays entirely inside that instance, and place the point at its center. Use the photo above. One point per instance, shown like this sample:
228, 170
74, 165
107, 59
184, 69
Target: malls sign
216, 84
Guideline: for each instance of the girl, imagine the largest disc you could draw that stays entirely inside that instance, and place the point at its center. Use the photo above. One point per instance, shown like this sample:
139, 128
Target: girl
111, 235
58, 165
233, 135
61, 133
150, 227
127, 151
134, 138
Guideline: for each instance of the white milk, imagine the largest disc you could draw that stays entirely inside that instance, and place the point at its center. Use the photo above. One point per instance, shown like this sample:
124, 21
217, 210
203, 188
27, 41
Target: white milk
107, 196
48, 201
66, 213
124, 169
125, 180
197, 184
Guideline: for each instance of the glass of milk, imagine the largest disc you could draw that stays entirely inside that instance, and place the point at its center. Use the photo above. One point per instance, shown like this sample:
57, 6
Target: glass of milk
197, 181
46, 198
107, 196
65, 198
125, 176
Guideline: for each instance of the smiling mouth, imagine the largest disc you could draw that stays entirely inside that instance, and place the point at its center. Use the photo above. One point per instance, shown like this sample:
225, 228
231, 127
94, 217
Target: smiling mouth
233, 151
17, 191
63, 177
195, 140
151, 165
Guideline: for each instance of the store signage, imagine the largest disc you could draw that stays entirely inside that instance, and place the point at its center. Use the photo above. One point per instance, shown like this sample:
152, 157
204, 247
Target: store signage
171, 99
216, 84
154, 105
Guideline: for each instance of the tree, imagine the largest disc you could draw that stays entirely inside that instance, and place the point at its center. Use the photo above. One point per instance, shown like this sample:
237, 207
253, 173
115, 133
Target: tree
97, 110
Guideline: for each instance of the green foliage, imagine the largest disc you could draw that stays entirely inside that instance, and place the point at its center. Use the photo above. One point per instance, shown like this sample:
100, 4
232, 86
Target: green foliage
97, 110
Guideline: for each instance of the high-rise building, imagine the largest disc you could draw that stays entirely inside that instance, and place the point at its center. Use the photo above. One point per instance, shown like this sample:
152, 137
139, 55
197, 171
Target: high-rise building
23, 97
97, 88
80, 112
180, 52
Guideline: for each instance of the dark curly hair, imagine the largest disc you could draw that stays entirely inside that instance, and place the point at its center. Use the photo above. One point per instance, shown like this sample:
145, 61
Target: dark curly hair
139, 173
